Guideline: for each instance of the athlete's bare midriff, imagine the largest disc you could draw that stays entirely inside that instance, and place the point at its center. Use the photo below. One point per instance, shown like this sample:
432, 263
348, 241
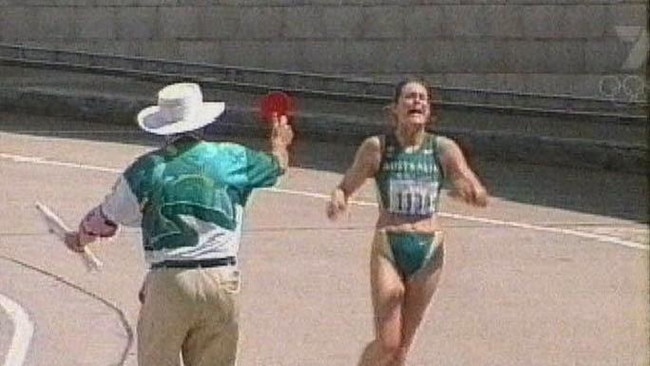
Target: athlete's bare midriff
391, 222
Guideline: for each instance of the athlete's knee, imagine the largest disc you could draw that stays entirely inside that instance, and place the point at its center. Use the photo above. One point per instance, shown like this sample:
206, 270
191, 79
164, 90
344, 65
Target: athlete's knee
392, 298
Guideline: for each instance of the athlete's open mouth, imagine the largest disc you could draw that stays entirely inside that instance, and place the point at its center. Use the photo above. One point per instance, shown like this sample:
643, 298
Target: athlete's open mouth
415, 111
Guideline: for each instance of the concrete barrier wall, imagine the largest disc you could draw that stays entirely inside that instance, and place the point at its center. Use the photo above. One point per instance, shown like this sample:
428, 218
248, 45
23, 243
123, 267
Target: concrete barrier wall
587, 48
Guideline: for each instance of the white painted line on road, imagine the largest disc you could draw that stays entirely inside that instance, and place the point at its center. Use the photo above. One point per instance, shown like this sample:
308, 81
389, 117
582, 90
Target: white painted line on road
555, 230
483, 220
24, 329
54, 133
42, 161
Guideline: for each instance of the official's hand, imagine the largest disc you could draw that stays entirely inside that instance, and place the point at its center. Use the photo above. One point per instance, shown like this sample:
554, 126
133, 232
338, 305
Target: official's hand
77, 240
73, 242
281, 131
336, 205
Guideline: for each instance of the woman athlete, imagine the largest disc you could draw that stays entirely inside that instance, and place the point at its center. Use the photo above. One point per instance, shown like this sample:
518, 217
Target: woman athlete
409, 166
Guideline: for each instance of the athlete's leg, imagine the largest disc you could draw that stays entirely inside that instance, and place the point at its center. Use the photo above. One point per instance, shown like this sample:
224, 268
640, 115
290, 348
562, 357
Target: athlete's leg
417, 297
387, 297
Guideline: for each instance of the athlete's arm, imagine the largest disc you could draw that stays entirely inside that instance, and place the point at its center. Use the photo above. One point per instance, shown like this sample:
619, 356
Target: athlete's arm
365, 165
465, 183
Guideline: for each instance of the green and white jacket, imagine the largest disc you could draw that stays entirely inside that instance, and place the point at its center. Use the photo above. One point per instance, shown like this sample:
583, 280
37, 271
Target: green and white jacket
189, 197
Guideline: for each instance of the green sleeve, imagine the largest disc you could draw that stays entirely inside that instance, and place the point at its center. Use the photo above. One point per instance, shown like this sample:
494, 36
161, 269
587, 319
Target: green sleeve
262, 169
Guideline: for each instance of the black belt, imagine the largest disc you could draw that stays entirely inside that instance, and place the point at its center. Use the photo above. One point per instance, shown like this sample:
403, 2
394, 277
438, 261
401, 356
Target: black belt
199, 263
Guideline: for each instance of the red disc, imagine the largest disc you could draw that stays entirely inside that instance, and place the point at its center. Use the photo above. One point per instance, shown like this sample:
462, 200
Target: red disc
276, 102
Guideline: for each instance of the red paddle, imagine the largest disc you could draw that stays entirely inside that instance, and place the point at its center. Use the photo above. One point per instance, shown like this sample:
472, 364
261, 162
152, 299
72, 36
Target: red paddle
279, 103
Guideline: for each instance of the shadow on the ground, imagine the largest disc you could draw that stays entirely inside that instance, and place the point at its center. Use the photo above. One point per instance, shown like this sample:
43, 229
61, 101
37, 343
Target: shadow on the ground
602, 193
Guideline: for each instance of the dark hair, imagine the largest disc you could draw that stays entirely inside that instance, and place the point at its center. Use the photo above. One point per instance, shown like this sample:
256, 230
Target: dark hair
399, 87
434, 97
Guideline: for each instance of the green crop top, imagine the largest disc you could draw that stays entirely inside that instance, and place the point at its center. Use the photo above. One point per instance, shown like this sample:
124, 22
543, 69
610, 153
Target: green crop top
409, 183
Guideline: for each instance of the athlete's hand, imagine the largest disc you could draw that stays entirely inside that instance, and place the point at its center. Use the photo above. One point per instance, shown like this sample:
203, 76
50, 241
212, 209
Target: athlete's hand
337, 204
473, 194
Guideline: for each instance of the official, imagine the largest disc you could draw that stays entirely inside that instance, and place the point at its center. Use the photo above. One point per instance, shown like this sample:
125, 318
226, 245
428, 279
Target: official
188, 197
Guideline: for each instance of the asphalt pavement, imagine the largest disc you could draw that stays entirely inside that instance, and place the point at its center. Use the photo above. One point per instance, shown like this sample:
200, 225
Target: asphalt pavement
552, 272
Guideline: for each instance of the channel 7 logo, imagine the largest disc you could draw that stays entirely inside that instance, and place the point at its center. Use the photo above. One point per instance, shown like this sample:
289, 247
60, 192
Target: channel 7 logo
629, 86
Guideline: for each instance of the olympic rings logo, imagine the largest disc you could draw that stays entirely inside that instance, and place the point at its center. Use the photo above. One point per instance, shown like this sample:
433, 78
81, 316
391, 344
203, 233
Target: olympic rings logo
623, 88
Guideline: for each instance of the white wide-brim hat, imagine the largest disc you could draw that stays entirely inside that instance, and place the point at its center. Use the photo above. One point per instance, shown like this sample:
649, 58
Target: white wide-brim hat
180, 109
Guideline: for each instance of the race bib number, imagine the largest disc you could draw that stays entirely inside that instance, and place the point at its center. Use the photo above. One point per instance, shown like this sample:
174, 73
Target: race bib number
411, 197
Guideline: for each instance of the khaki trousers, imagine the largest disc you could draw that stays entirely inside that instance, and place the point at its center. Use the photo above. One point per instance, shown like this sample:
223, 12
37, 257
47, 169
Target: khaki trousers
189, 314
